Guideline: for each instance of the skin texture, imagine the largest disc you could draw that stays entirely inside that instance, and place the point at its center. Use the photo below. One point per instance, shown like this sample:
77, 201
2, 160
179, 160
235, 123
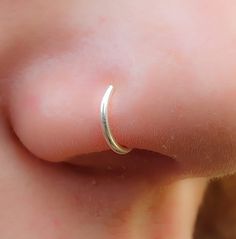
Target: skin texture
172, 64
45, 200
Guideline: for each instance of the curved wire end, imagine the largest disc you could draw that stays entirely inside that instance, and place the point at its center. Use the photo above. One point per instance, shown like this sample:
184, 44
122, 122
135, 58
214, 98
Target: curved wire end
111, 141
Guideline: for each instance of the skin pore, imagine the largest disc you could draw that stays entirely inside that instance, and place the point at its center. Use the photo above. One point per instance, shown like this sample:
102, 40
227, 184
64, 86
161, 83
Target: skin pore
173, 67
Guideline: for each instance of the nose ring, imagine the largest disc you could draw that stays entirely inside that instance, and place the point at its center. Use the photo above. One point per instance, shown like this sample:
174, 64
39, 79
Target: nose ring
111, 141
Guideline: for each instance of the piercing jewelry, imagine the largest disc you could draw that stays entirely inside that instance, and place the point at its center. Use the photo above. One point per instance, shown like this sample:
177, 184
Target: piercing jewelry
117, 148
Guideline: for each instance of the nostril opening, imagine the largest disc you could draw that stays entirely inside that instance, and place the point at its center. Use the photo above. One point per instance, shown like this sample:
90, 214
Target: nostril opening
137, 162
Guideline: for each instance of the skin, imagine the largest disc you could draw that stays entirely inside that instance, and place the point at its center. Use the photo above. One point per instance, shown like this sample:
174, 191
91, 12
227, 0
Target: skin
172, 64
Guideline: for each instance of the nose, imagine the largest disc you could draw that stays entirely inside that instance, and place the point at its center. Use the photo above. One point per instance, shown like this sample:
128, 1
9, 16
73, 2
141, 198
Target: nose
54, 105
55, 111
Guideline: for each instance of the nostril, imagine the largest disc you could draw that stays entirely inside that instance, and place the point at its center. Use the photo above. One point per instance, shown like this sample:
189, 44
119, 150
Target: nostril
137, 164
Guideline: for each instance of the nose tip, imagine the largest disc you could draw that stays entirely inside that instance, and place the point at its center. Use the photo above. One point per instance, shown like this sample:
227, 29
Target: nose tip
55, 109
56, 117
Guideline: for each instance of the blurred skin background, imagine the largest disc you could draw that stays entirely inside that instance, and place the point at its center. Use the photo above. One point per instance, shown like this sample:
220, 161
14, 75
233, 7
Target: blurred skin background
217, 215
173, 67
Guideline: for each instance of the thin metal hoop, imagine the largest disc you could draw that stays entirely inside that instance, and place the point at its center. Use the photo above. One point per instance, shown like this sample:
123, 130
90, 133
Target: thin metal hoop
117, 148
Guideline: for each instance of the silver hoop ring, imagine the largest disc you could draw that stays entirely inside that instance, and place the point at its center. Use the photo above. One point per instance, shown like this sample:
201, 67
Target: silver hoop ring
112, 143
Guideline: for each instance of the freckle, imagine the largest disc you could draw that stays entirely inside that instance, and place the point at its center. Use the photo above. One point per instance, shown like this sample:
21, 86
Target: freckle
174, 156
124, 167
164, 146
109, 168
122, 176
102, 19
31, 102
207, 156
56, 222
97, 213
90, 199
77, 198
94, 182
